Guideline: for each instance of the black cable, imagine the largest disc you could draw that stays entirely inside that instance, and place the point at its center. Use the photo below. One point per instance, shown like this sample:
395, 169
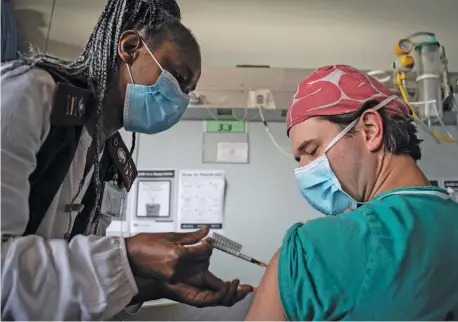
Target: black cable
49, 25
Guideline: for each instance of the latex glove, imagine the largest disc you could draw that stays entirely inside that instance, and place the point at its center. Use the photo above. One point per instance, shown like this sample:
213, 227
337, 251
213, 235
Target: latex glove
148, 290
201, 290
165, 257
205, 289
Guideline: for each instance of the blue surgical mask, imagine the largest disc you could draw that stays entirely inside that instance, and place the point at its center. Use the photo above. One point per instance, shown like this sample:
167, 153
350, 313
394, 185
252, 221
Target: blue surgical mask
156, 108
318, 183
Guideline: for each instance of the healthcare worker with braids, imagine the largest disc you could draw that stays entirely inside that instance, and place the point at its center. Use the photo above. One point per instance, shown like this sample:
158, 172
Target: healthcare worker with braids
65, 170
387, 248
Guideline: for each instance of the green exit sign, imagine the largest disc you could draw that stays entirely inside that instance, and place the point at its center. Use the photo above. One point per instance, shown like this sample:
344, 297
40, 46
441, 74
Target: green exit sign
225, 126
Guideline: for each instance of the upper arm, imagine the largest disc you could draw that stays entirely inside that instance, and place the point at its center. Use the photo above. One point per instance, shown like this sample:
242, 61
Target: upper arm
322, 265
266, 303
25, 113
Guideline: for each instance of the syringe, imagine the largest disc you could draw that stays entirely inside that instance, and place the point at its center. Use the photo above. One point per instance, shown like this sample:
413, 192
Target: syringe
230, 247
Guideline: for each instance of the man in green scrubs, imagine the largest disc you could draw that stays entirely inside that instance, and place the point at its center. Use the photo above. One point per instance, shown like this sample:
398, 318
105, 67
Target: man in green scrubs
388, 247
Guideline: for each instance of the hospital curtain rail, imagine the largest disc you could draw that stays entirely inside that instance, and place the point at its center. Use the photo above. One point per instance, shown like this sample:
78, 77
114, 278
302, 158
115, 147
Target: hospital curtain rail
10, 46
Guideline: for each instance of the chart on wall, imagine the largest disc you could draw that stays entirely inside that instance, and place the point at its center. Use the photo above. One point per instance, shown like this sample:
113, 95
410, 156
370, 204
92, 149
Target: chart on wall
153, 205
201, 197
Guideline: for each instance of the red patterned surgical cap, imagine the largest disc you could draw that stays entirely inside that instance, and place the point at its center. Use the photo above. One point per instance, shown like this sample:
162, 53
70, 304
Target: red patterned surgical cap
335, 90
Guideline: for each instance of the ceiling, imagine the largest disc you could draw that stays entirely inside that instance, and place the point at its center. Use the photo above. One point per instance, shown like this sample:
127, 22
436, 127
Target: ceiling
287, 33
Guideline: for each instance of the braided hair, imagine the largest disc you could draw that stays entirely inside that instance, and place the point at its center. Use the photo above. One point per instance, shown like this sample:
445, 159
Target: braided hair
98, 64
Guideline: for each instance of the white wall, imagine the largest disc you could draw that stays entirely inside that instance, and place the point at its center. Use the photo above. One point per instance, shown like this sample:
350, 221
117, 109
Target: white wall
286, 33
262, 200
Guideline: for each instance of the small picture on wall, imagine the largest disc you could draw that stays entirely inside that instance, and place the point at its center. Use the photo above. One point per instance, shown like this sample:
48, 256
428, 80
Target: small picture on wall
154, 199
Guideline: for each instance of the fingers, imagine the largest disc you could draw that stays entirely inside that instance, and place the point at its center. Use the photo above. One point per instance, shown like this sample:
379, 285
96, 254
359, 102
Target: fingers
188, 294
348, 210
190, 238
227, 293
231, 294
199, 253
235, 293
242, 292
246, 288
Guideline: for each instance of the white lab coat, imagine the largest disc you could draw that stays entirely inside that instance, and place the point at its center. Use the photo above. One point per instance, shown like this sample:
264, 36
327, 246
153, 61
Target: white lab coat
43, 276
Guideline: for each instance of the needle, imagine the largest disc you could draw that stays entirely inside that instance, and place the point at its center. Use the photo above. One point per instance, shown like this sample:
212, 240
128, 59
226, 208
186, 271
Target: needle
239, 255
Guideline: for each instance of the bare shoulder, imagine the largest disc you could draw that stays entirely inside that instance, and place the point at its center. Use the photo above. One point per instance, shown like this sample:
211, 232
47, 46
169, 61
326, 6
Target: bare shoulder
267, 304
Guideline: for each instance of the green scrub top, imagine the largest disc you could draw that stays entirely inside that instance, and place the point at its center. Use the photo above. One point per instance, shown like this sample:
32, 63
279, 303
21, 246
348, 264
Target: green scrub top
394, 258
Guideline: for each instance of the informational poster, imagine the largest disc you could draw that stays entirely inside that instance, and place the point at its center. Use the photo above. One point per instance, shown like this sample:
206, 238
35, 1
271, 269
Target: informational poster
154, 198
153, 202
452, 187
201, 196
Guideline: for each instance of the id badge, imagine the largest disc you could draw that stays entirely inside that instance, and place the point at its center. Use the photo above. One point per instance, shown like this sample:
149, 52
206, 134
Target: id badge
112, 200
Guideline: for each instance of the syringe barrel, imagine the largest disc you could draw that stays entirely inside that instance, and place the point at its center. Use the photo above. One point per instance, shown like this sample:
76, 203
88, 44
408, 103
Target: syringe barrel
247, 258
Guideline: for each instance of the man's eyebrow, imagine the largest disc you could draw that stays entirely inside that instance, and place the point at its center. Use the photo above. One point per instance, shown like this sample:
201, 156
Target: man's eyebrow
300, 149
303, 145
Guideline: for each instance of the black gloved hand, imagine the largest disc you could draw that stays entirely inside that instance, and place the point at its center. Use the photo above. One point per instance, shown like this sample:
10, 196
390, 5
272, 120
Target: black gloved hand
201, 290
205, 289
148, 290
165, 257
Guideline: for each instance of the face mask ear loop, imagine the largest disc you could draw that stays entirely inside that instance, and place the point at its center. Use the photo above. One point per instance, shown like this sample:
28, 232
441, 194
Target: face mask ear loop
130, 73
352, 124
133, 133
162, 69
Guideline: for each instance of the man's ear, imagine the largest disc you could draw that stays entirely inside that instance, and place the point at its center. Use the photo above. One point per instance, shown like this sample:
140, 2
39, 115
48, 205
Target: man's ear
372, 129
129, 45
